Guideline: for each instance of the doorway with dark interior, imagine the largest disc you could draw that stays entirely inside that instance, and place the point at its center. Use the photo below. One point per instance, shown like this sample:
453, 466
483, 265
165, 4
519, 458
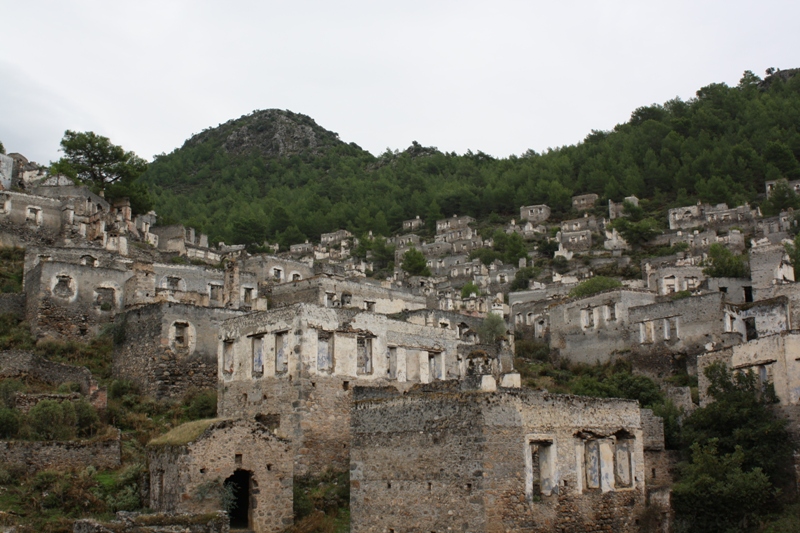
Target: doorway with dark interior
239, 487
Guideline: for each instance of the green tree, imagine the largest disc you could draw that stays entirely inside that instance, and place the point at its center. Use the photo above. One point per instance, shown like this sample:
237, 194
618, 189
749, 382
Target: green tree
639, 233
52, 420
470, 288
781, 197
414, 263
106, 168
725, 264
716, 494
492, 329
2, 148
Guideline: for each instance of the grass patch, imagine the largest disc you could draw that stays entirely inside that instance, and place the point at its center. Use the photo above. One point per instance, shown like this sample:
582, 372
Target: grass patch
183, 434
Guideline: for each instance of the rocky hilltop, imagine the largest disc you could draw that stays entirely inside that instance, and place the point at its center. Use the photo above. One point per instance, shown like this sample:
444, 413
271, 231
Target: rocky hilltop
269, 133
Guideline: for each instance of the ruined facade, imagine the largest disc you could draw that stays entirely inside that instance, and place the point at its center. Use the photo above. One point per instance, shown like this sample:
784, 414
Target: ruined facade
441, 459
188, 474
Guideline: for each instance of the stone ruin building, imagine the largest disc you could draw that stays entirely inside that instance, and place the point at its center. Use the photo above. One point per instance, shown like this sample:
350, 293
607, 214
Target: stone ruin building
317, 367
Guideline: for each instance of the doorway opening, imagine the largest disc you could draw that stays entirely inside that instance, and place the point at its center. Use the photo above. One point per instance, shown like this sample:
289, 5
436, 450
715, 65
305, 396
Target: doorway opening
239, 512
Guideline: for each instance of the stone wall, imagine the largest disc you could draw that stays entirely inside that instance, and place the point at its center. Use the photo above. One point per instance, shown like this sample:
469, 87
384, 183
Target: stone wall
43, 455
20, 365
442, 459
595, 328
329, 292
169, 348
309, 384
186, 477
72, 301
157, 523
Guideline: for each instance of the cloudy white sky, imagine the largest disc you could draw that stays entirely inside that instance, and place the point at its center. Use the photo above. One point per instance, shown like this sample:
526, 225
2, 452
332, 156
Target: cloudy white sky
501, 76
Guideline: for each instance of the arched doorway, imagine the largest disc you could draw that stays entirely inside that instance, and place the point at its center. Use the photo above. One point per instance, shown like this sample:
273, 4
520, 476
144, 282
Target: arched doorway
239, 511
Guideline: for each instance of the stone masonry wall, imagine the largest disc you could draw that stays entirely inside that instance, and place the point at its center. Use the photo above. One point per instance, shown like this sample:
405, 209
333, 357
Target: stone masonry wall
157, 523
151, 356
450, 460
20, 364
36, 455
180, 476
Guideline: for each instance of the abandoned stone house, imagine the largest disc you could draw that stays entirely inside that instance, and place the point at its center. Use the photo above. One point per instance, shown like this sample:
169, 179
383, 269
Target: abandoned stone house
667, 278
534, 213
592, 329
456, 222
718, 216
346, 294
336, 237
413, 224
441, 458
190, 466
169, 348
617, 209
575, 241
793, 185
299, 364
772, 359
583, 202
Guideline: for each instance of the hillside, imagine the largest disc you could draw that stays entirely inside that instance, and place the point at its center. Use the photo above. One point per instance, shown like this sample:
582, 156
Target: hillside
278, 175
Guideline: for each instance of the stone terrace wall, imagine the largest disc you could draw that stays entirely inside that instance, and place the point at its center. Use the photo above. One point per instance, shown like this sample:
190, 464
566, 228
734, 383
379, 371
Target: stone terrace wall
158, 523
19, 364
41, 455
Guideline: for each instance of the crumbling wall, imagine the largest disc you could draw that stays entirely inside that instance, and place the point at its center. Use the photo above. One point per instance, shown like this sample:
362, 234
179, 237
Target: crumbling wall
72, 301
595, 328
157, 523
20, 365
447, 460
301, 363
186, 477
169, 348
43, 455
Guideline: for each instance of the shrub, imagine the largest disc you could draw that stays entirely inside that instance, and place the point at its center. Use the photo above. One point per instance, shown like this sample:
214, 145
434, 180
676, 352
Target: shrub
86, 419
9, 423
52, 420
200, 404
470, 288
593, 286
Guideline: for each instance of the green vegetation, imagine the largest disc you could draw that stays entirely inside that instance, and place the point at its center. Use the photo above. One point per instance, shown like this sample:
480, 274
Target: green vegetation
414, 263
593, 286
725, 264
322, 503
469, 289
183, 434
492, 329
720, 146
738, 457
106, 168
793, 251
12, 262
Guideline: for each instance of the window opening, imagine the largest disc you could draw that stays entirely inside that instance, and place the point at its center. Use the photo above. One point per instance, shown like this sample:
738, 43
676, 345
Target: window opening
281, 355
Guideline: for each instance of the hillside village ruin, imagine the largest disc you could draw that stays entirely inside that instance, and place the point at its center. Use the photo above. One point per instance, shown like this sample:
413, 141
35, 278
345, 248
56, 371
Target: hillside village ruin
318, 366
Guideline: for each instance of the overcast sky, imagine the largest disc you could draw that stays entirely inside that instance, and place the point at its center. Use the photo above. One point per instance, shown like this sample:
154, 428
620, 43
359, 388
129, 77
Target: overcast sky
500, 76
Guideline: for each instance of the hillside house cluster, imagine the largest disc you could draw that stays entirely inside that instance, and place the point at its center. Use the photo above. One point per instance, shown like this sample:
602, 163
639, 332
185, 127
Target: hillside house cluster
317, 366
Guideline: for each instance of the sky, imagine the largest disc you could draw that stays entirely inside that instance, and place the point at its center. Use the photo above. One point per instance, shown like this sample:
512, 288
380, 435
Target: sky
501, 77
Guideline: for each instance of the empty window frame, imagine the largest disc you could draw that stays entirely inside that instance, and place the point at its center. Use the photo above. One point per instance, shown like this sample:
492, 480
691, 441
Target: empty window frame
364, 355
540, 467
227, 356
248, 295
435, 365
587, 318
391, 363
281, 352
215, 292
324, 351
257, 355
181, 334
